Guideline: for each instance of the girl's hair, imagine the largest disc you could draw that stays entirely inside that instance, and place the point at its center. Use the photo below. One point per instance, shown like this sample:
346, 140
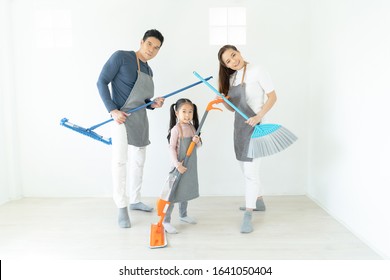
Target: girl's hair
224, 72
173, 119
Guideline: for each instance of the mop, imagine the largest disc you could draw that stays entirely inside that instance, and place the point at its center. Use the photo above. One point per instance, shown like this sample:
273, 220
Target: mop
266, 139
90, 131
158, 238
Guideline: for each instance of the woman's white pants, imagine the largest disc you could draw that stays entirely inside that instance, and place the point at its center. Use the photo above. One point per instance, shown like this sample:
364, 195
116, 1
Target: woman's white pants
127, 168
253, 186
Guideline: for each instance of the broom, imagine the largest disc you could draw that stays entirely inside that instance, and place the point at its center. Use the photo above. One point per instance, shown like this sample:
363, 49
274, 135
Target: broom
266, 139
89, 131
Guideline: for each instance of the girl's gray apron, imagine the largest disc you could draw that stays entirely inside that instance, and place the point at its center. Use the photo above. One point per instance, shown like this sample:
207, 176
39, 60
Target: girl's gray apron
242, 131
188, 187
137, 124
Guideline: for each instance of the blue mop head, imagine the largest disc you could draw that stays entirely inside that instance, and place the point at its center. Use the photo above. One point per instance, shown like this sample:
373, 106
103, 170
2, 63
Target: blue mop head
85, 131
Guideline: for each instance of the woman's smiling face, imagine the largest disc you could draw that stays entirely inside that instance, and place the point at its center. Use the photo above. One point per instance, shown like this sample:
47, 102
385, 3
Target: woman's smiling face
233, 59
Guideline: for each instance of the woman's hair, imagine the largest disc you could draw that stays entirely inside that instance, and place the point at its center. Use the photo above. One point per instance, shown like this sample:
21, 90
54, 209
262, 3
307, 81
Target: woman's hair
176, 107
224, 72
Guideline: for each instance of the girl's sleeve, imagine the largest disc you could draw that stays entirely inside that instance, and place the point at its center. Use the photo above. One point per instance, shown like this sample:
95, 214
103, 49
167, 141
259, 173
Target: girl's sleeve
173, 144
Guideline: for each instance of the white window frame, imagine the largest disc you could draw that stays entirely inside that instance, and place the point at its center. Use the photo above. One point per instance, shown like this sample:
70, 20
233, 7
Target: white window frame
227, 25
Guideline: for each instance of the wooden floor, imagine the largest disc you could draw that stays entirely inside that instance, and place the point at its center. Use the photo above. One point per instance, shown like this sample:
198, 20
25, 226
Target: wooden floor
292, 228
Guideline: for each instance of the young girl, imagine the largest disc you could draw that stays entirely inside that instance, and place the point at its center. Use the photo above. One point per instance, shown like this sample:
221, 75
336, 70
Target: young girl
183, 124
250, 89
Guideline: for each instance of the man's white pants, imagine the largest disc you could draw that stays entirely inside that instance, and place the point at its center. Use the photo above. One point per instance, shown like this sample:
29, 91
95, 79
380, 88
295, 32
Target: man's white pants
127, 167
253, 186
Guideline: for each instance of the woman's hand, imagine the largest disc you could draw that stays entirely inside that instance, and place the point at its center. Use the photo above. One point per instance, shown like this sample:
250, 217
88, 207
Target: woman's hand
254, 120
227, 106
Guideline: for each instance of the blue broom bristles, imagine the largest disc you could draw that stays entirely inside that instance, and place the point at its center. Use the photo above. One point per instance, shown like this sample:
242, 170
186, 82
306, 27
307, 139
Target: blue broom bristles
86, 131
264, 129
269, 139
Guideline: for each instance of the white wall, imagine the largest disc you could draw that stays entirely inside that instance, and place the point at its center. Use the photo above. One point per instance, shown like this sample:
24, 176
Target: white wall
10, 187
58, 82
349, 114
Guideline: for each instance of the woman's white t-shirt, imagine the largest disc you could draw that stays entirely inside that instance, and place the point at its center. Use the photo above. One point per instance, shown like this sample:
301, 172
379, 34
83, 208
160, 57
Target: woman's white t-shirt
258, 83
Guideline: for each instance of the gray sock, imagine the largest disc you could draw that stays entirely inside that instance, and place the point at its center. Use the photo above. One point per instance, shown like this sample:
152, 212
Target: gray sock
246, 226
141, 206
260, 206
123, 218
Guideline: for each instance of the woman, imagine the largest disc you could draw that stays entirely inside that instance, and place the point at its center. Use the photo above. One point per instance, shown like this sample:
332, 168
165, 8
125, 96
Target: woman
251, 89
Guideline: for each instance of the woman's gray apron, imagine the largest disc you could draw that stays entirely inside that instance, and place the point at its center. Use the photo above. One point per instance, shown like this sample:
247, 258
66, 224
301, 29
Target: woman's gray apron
188, 187
242, 131
137, 124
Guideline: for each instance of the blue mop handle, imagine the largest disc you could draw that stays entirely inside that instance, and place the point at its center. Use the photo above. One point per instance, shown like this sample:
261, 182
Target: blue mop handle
151, 102
221, 95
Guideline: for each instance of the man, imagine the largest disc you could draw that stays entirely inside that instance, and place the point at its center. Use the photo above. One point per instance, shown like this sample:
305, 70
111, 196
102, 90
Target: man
131, 81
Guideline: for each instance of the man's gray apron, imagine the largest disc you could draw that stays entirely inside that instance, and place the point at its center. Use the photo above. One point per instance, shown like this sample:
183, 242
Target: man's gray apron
137, 124
242, 131
188, 187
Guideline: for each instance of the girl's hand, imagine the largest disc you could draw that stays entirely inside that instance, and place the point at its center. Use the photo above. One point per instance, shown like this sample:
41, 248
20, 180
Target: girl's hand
196, 139
182, 169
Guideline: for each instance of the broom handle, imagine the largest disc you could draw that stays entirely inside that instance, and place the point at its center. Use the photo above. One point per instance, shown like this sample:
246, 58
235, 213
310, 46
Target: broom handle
151, 102
221, 95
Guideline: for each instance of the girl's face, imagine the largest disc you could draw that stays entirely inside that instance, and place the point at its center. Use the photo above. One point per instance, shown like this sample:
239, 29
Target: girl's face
233, 59
185, 113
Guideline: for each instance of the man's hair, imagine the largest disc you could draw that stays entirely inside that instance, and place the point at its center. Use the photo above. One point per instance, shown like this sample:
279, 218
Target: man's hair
154, 33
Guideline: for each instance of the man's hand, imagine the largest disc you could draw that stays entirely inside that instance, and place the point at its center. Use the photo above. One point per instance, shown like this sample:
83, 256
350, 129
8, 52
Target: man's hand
119, 116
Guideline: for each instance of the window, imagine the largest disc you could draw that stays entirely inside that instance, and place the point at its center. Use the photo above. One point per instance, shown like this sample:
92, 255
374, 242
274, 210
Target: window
227, 26
53, 28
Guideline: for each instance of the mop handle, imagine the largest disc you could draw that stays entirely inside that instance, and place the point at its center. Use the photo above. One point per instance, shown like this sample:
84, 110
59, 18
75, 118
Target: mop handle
151, 102
208, 109
221, 95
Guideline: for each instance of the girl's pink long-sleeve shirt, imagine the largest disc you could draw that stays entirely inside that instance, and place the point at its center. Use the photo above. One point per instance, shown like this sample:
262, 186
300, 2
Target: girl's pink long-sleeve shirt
188, 130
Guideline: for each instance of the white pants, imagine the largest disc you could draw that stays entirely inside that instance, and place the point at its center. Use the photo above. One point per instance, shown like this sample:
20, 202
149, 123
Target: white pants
253, 186
127, 167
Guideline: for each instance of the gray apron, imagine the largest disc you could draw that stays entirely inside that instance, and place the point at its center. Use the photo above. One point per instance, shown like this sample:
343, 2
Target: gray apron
137, 124
242, 131
188, 187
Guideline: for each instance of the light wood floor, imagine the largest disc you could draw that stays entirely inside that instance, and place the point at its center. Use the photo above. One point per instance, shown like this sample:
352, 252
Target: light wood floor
292, 228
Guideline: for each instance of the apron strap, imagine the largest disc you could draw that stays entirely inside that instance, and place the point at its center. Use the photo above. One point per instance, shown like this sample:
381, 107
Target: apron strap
243, 75
180, 131
136, 56
181, 136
